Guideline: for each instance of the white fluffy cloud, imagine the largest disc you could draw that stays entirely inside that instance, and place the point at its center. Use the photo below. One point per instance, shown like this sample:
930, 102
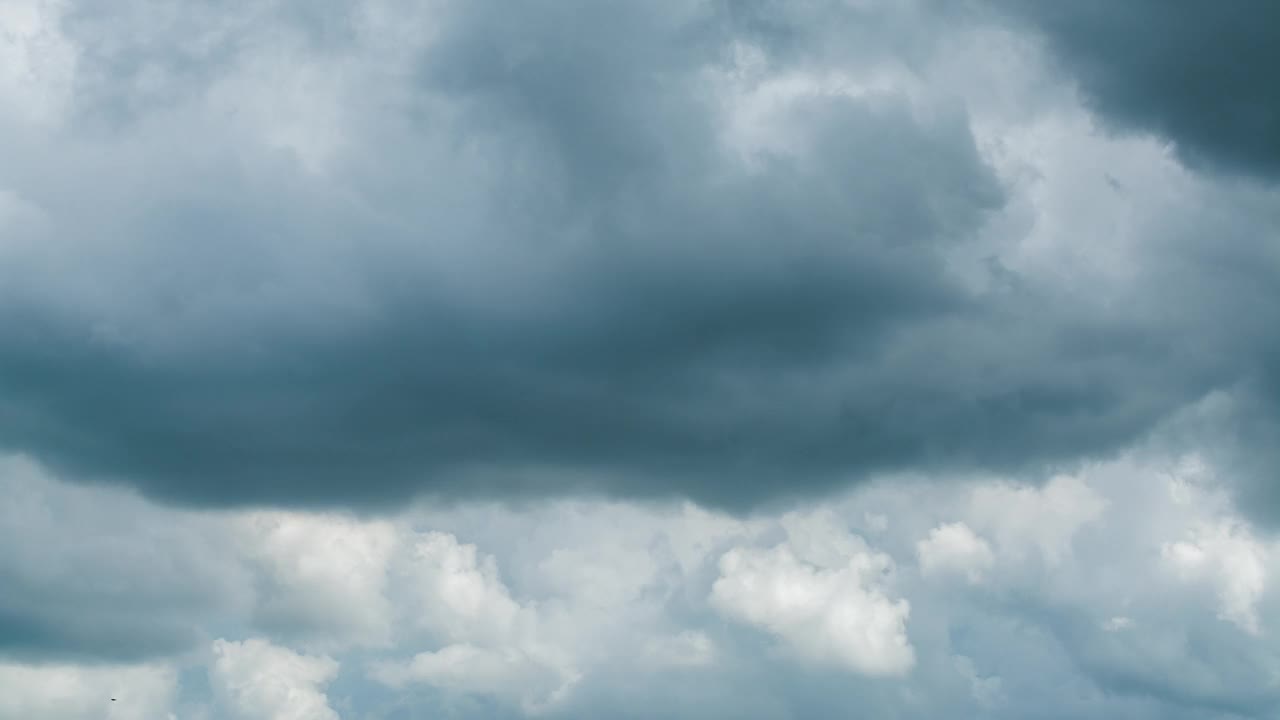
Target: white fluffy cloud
321, 576
458, 593
953, 547
1044, 519
554, 608
1225, 555
504, 672
822, 594
491, 645
37, 62
558, 609
256, 680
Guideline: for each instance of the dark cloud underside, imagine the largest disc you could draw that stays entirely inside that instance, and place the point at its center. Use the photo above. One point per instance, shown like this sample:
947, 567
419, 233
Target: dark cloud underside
1199, 74
537, 262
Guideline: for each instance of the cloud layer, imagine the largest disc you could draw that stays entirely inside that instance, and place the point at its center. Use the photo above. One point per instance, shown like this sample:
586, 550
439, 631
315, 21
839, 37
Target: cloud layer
682, 359
1132, 589
256, 252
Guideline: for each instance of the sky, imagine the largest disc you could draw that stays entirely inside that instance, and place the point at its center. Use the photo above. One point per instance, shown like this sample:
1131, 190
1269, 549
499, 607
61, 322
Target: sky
762, 359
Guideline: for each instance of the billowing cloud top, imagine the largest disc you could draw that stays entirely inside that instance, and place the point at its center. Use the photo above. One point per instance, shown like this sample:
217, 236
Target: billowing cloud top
364, 357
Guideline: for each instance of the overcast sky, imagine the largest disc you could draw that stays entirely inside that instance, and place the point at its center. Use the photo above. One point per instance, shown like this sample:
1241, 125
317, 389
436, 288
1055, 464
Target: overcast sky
397, 359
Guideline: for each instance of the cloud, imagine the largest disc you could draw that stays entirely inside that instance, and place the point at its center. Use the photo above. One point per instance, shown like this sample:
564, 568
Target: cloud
320, 575
38, 62
105, 575
1186, 73
1045, 518
71, 692
481, 256
690, 648
953, 547
503, 672
829, 607
677, 611
1232, 560
621, 274
585, 359
461, 593
491, 645
985, 690
260, 681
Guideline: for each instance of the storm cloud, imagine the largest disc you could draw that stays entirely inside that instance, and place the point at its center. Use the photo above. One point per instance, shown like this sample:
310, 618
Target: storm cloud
1195, 74
685, 358
736, 252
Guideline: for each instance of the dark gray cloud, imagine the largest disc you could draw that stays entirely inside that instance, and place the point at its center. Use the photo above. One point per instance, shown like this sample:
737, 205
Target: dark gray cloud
1195, 73
529, 251
65, 634
129, 583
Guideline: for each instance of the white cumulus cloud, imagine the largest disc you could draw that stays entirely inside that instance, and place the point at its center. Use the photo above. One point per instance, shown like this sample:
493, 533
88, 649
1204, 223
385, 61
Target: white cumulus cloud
953, 547
824, 601
491, 642
1226, 555
256, 680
